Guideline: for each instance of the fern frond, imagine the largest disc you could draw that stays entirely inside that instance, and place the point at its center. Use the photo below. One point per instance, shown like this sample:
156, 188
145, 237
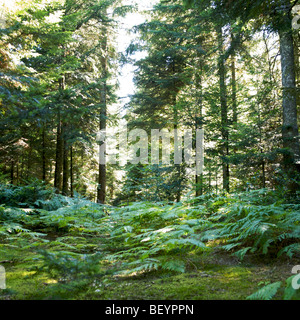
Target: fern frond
290, 250
266, 293
174, 265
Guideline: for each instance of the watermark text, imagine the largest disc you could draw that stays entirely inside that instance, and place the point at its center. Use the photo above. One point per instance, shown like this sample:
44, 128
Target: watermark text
166, 147
2, 278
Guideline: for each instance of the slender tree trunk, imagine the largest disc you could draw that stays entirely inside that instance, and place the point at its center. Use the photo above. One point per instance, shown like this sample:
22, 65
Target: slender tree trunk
12, 171
199, 125
263, 163
101, 194
224, 111
297, 66
44, 154
209, 178
59, 146
263, 169
65, 186
234, 90
175, 115
22, 168
216, 180
199, 184
177, 166
29, 161
71, 172
17, 172
101, 190
59, 157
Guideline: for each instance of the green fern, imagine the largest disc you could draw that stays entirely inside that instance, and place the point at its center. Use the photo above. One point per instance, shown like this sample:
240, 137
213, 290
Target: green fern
266, 293
174, 265
269, 291
290, 292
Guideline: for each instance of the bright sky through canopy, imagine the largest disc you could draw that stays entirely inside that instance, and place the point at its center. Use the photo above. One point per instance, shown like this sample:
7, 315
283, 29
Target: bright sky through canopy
124, 38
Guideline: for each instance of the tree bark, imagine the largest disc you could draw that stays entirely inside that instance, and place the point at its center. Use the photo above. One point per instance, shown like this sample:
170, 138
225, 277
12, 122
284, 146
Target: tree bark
234, 90
224, 111
59, 157
44, 154
289, 99
290, 132
101, 190
59, 146
65, 186
12, 172
71, 173
177, 166
199, 125
17, 172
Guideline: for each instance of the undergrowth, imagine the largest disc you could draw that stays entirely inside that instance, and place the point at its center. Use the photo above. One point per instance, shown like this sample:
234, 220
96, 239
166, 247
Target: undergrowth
76, 241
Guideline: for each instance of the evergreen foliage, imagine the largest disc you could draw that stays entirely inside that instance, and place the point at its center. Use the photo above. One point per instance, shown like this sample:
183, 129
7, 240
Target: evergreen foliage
228, 67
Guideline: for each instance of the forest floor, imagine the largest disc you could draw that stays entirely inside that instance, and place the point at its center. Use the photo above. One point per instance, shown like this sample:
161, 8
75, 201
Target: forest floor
214, 276
217, 248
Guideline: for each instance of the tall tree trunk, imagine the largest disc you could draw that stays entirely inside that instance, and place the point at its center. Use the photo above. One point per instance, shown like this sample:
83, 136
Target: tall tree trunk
234, 90
17, 172
65, 186
216, 178
101, 190
59, 157
12, 171
71, 172
289, 99
29, 161
199, 125
22, 164
224, 111
199, 184
263, 163
175, 115
263, 169
297, 66
59, 146
44, 153
177, 166
209, 178
297, 61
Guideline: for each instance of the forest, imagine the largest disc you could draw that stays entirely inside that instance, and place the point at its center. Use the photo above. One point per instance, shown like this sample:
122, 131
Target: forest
108, 191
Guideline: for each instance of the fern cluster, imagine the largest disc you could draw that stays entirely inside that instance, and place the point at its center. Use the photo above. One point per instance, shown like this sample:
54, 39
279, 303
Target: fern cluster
73, 237
152, 236
248, 223
268, 291
25, 196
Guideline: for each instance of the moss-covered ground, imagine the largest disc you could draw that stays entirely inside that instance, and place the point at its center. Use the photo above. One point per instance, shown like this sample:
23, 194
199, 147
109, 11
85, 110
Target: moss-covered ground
214, 249
208, 277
